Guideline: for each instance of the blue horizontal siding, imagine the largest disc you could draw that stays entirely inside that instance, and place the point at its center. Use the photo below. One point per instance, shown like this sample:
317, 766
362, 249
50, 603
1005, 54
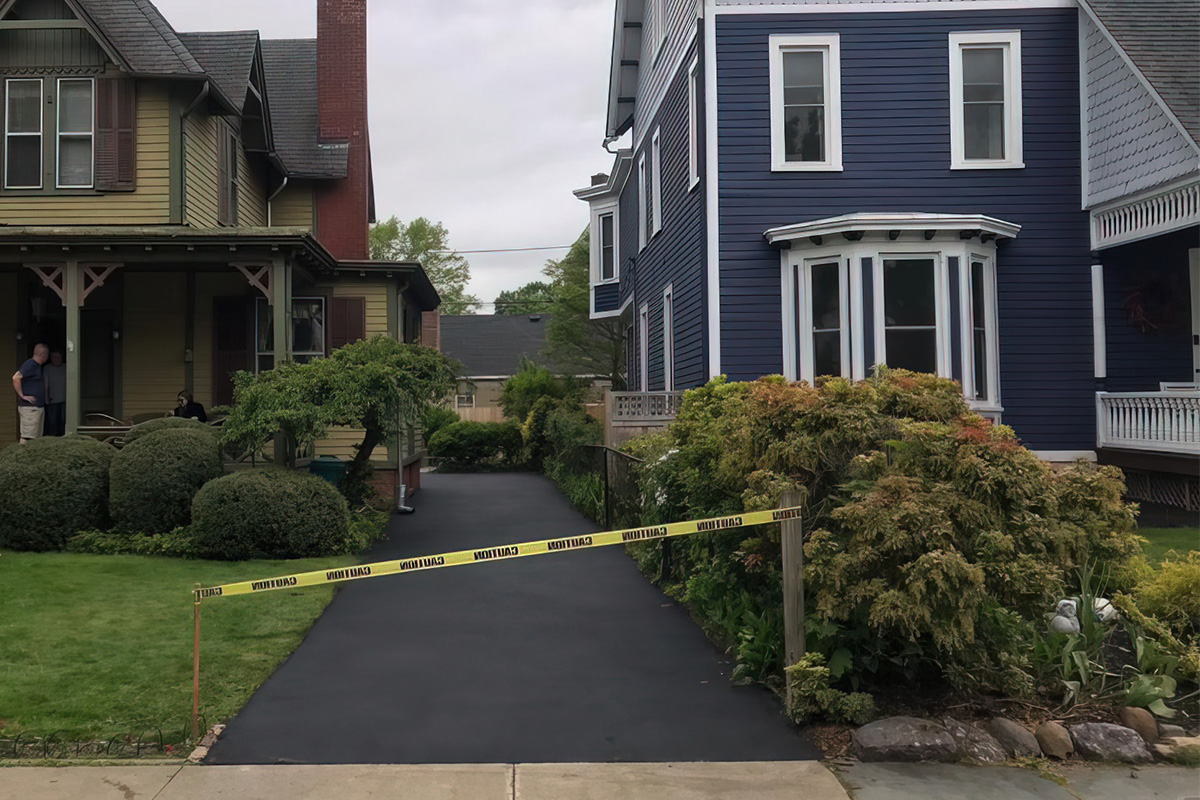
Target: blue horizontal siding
896, 154
608, 297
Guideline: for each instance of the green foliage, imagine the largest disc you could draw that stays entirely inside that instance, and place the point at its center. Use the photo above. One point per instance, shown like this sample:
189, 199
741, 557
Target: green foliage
429, 243
813, 697
530, 384
532, 298
436, 418
270, 513
475, 444
176, 544
152, 480
50, 488
1171, 593
166, 423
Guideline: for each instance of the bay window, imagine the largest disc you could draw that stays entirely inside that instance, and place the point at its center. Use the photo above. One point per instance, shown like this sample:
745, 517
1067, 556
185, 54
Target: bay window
910, 314
823, 305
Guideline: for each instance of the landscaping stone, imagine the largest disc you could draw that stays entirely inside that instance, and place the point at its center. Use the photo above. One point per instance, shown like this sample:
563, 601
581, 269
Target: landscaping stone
1140, 720
974, 744
1103, 741
1013, 737
1166, 731
1184, 750
1054, 740
903, 739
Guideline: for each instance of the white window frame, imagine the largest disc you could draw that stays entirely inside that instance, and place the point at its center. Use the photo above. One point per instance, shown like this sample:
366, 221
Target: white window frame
941, 299
610, 208
668, 338
40, 134
655, 28
60, 134
655, 182
803, 300
644, 348
464, 400
693, 124
967, 328
641, 205
1010, 43
829, 45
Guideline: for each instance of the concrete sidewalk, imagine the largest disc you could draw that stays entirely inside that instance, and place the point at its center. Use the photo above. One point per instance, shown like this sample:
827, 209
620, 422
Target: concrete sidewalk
760, 780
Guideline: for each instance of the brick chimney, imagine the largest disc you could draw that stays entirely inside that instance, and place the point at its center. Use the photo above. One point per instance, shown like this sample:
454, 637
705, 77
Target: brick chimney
342, 205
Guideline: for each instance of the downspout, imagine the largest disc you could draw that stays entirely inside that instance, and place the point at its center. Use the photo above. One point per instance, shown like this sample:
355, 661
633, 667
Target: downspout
607, 141
275, 194
183, 150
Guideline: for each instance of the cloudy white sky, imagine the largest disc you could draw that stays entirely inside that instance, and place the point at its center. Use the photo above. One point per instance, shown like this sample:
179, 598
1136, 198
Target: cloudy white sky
484, 115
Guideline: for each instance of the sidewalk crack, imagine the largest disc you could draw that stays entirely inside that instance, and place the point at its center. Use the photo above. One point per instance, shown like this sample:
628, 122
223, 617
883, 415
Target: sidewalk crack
168, 783
512, 781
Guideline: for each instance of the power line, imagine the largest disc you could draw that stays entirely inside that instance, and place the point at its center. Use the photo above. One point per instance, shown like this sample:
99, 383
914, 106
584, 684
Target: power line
506, 249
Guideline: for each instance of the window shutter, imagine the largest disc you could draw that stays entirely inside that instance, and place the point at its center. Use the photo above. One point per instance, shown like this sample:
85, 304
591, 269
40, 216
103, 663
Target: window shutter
116, 124
347, 321
224, 209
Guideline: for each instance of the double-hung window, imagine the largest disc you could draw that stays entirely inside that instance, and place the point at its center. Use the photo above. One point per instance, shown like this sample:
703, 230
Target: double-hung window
981, 375
912, 309
643, 206
655, 182
668, 339
644, 348
806, 103
824, 311
693, 124
604, 253
23, 133
985, 100
76, 122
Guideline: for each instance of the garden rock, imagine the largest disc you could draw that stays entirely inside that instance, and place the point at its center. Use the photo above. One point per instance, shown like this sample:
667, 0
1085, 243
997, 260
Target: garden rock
974, 744
1184, 750
1054, 740
1166, 731
1013, 737
903, 739
1103, 741
1140, 720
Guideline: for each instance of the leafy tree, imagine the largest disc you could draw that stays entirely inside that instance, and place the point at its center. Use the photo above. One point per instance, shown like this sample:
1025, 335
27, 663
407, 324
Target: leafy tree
575, 343
377, 385
429, 243
527, 386
532, 298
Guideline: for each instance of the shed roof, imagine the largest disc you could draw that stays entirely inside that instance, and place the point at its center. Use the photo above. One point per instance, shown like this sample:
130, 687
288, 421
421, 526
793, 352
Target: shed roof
290, 67
492, 345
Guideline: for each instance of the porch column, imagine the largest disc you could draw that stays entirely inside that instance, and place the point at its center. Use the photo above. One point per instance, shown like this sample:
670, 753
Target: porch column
281, 328
72, 299
1099, 343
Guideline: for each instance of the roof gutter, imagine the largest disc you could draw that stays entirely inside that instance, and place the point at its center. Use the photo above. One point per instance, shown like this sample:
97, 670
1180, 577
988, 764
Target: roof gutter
275, 194
200, 98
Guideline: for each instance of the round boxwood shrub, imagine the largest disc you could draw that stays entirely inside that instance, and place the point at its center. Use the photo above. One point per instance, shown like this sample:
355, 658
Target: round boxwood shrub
153, 479
270, 513
52, 488
164, 424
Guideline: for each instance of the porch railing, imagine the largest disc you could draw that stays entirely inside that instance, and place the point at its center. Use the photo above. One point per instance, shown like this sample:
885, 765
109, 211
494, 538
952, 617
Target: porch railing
630, 414
1160, 422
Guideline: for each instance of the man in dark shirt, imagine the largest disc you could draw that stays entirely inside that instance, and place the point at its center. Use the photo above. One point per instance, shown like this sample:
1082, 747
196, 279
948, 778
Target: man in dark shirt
30, 387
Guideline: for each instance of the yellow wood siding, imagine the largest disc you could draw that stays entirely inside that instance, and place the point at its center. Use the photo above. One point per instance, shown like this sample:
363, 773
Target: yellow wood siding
293, 207
150, 204
208, 286
152, 341
9, 357
200, 169
252, 198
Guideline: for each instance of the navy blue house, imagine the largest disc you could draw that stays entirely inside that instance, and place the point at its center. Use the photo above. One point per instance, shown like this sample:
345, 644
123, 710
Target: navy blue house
816, 188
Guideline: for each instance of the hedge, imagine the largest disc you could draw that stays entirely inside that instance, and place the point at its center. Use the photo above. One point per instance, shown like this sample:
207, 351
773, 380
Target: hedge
165, 424
270, 513
51, 488
478, 443
153, 479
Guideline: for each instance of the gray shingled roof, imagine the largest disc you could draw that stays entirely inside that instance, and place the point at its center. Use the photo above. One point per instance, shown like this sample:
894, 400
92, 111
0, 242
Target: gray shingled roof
493, 344
141, 36
290, 67
1162, 37
226, 57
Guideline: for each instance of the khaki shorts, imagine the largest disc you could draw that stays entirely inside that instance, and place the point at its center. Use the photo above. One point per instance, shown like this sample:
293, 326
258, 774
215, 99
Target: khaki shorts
31, 422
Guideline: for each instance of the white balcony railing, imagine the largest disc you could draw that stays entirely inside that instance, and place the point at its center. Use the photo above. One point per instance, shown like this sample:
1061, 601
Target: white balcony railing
1160, 422
644, 406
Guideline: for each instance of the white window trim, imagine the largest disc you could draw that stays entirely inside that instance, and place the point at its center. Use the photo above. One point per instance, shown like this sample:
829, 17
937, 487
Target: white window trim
40, 134
1013, 133
657, 29
829, 45
693, 124
668, 338
803, 301
641, 205
656, 182
967, 328
458, 400
609, 207
644, 348
59, 134
941, 299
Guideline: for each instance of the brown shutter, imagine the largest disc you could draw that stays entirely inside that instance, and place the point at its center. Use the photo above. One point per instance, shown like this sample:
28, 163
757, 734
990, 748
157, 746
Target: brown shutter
224, 209
347, 321
116, 124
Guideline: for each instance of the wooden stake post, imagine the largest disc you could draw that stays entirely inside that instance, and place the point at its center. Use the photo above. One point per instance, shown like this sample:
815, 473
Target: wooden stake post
196, 666
793, 587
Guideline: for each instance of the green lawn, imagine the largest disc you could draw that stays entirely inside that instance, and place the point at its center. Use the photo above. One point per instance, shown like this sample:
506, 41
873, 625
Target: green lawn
1163, 539
98, 646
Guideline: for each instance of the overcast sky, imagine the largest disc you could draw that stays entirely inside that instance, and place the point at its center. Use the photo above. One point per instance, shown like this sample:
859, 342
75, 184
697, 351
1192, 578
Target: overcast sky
484, 115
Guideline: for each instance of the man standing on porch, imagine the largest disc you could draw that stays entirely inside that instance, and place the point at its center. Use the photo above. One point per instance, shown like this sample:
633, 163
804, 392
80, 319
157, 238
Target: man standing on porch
30, 387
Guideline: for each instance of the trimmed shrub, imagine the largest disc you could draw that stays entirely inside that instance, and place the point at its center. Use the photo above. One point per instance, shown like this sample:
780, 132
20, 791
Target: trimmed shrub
472, 444
166, 424
51, 488
437, 418
153, 479
176, 544
270, 513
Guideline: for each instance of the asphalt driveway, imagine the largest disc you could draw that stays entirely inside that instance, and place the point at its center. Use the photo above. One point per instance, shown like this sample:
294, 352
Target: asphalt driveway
559, 658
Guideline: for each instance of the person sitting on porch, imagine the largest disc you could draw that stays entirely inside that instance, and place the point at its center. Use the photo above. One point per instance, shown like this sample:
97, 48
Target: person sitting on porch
188, 408
31, 393
55, 374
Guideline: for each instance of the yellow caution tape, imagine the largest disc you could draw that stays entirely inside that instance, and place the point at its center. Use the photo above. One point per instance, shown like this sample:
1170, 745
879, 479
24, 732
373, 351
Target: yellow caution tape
499, 553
